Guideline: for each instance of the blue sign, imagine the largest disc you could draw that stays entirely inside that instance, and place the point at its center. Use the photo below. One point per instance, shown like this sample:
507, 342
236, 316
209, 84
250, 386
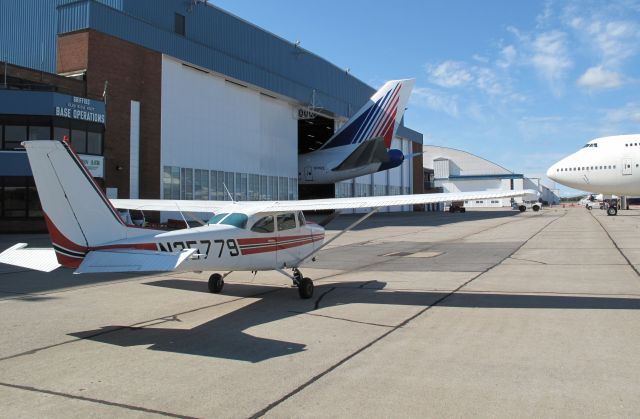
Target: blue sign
81, 108
23, 102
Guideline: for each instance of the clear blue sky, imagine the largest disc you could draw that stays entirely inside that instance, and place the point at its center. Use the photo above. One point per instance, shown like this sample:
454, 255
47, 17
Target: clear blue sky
521, 83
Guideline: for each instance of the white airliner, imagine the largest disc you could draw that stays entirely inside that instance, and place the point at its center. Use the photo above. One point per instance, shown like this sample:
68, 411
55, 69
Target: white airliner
88, 234
607, 165
363, 144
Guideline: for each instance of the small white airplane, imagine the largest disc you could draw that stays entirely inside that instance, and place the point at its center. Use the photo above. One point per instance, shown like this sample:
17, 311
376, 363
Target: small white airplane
363, 144
607, 165
89, 235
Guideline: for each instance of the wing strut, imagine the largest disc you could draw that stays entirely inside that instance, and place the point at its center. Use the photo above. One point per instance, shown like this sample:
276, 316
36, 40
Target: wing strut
351, 227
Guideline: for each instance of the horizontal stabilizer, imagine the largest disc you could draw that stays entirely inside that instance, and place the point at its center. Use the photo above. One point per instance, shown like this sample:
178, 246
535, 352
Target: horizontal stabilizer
132, 260
43, 260
368, 152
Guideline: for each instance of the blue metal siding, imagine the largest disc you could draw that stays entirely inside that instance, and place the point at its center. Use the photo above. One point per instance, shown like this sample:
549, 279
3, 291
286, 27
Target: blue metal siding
214, 39
28, 30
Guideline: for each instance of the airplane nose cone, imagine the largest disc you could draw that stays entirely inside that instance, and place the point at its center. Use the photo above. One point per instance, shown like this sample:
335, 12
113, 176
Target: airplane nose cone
552, 172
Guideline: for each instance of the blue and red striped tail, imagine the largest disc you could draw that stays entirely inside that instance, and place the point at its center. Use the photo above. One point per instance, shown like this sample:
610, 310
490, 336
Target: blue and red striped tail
379, 117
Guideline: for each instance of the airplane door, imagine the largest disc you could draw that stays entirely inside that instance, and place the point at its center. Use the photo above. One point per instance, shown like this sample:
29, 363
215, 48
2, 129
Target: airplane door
308, 173
288, 237
626, 166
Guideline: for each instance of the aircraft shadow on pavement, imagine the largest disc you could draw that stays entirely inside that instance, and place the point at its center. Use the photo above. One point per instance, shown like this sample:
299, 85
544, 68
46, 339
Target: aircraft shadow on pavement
225, 336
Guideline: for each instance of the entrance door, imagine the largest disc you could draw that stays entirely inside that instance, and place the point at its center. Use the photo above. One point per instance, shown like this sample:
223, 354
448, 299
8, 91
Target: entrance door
626, 166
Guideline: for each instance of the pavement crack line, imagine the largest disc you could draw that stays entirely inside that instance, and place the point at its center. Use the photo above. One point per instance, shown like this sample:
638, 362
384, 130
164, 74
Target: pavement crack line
408, 320
93, 400
615, 244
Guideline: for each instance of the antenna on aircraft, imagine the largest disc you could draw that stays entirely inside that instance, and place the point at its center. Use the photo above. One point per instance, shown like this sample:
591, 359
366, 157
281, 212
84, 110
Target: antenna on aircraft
228, 193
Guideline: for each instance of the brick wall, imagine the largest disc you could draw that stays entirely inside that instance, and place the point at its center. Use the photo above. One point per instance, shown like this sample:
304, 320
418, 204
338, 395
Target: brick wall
133, 73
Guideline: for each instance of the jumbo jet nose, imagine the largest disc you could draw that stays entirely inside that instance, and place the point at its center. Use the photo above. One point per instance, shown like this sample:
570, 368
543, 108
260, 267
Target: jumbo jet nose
552, 172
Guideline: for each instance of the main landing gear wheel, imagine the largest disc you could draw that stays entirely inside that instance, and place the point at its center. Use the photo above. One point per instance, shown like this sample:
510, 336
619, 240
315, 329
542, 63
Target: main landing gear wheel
522, 208
305, 288
612, 211
304, 284
216, 283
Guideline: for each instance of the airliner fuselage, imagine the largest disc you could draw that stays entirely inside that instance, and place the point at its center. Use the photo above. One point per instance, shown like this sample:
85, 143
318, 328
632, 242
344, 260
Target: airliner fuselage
607, 165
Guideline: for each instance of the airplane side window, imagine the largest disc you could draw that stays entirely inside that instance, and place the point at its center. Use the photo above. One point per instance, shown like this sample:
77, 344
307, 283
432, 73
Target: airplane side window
264, 225
286, 221
236, 219
301, 219
614, 166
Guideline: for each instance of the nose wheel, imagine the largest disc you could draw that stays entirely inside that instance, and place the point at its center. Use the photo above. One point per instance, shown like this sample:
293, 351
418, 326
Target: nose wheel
304, 284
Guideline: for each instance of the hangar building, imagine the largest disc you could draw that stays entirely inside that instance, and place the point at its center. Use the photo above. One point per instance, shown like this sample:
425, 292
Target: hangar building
460, 171
184, 97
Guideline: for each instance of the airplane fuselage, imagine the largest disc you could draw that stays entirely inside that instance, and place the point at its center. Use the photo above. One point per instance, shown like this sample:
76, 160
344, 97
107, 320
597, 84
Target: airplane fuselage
608, 165
318, 167
221, 247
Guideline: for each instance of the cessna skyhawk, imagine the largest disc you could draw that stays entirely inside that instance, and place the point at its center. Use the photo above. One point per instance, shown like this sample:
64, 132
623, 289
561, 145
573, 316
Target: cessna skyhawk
89, 235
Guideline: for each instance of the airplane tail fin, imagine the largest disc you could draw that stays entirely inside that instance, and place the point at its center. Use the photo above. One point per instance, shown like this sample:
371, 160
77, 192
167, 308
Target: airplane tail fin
379, 117
78, 215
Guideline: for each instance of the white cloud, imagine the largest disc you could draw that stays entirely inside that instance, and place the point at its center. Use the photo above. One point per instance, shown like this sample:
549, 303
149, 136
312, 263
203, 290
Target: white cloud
550, 57
435, 100
455, 74
480, 58
508, 56
629, 113
600, 78
614, 41
449, 74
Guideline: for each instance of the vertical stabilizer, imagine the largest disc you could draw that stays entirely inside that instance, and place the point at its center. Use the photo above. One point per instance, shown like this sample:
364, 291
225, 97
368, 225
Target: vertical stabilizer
379, 117
78, 214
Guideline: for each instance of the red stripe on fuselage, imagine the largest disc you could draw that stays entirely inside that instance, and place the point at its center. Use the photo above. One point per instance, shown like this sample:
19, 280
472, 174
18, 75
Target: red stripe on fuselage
272, 244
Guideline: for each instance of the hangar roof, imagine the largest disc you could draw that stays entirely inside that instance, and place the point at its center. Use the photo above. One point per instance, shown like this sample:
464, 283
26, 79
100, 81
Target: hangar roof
213, 39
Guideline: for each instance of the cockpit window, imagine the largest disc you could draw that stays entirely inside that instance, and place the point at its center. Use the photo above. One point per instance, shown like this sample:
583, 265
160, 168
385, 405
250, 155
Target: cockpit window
234, 219
264, 225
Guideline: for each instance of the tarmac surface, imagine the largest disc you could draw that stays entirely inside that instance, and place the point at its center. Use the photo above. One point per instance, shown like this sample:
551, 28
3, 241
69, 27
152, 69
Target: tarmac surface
484, 314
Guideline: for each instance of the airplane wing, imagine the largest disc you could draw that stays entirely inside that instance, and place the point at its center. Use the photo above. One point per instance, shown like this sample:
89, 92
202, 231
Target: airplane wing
387, 201
169, 205
313, 204
132, 260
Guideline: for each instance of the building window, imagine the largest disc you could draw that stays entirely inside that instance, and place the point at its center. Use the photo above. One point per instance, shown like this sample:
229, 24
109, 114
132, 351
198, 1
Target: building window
13, 136
179, 24
202, 184
39, 133
19, 198
79, 141
94, 143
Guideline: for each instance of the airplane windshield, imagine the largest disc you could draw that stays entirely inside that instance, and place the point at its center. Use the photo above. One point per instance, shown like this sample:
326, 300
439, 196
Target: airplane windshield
235, 219
216, 218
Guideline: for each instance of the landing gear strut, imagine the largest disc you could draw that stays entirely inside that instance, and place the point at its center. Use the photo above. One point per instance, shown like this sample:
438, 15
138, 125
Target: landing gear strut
304, 284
